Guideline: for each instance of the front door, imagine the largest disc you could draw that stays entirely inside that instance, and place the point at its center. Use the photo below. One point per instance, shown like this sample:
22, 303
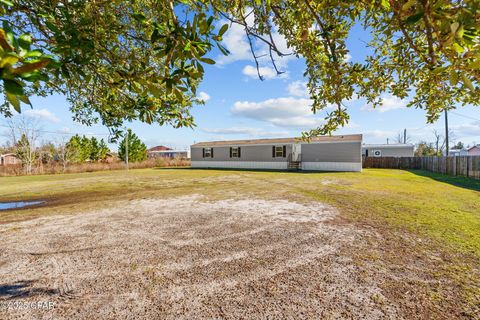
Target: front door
296, 150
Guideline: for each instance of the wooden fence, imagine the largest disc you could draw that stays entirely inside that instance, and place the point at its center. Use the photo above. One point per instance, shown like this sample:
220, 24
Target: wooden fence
467, 166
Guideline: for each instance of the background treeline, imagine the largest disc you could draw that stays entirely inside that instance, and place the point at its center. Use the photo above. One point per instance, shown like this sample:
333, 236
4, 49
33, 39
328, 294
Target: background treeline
84, 149
78, 153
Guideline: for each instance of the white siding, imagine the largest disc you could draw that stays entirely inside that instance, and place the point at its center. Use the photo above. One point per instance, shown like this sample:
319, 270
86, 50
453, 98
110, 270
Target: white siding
332, 166
241, 164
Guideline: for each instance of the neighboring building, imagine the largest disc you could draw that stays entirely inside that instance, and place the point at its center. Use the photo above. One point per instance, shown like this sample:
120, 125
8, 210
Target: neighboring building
9, 159
110, 157
387, 150
457, 152
166, 152
326, 153
474, 151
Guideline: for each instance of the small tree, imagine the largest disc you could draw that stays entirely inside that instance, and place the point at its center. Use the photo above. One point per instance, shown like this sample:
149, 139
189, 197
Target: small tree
47, 152
425, 149
24, 134
85, 149
102, 150
137, 150
72, 149
459, 145
25, 151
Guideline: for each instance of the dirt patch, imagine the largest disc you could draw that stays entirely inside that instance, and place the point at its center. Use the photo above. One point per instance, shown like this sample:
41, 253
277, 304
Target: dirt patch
186, 257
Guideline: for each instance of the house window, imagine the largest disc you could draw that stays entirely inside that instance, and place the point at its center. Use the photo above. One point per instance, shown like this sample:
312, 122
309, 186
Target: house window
234, 152
279, 151
208, 152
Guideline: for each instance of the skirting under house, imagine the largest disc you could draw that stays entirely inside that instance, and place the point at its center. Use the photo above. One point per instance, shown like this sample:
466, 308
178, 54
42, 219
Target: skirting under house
332, 166
241, 165
328, 153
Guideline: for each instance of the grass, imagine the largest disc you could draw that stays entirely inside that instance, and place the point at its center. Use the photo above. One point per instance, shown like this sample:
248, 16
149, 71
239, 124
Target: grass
446, 209
441, 213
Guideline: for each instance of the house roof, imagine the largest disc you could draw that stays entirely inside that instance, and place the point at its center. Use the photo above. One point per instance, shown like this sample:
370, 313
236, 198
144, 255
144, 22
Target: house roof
158, 148
351, 137
8, 154
396, 145
170, 151
475, 146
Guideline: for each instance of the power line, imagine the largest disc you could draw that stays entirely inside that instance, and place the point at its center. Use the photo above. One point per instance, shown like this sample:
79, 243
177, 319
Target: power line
464, 116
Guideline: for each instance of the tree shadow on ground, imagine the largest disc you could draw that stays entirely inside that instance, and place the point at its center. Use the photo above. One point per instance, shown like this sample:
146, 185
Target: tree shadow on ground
458, 181
23, 289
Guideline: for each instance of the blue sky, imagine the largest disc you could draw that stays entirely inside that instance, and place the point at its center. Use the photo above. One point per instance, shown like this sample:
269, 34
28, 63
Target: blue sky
238, 105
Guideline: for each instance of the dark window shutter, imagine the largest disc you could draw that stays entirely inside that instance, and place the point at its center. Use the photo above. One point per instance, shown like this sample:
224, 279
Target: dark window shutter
230, 152
211, 153
239, 151
203, 152
273, 151
284, 151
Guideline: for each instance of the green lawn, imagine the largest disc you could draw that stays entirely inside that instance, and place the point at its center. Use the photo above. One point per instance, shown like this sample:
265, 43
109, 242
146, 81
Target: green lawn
423, 220
446, 209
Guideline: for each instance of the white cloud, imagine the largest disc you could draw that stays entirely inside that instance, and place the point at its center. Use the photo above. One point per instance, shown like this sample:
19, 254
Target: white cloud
467, 129
281, 112
389, 103
236, 41
298, 88
248, 131
41, 114
202, 95
267, 73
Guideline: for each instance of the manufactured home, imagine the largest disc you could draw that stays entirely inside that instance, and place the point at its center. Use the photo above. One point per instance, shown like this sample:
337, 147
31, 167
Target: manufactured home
326, 153
388, 150
166, 152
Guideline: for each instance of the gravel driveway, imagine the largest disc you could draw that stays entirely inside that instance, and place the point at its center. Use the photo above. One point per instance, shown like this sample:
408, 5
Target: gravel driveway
187, 257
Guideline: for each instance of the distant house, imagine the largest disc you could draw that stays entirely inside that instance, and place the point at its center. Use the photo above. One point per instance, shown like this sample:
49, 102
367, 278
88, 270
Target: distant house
388, 150
457, 152
110, 157
326, 153
9, 159
166, 152
474, 151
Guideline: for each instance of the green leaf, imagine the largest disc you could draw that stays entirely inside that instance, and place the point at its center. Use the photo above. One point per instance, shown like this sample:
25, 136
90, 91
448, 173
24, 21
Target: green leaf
408, 4
475, 64
223, 29
33, 54
458, 48
25, 100
207, 60
414, 18
25, 40
8, 60
223, 49
467, 82
140, 17
13, 101
453, 78
454, 27
13, 87
7, 3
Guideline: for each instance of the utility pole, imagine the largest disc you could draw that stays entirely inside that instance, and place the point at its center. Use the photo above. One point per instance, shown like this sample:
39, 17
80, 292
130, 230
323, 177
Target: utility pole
446, 132
404, 136
387, 140
126, 150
